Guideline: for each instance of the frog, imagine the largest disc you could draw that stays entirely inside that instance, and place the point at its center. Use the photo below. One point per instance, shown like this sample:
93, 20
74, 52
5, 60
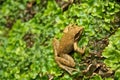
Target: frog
68, 43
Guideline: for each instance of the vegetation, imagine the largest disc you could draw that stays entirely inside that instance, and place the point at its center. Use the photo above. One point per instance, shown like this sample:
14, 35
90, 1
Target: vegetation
27, 28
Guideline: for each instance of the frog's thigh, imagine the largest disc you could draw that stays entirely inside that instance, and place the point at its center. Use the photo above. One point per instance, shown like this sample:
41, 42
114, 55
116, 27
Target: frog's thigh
66, 60
68, 69
55, 45
77, 49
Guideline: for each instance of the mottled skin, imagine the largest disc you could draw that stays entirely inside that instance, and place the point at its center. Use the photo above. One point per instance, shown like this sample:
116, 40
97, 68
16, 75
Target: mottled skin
66, 45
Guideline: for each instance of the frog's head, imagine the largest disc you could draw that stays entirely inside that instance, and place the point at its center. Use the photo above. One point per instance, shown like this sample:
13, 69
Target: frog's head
77, 31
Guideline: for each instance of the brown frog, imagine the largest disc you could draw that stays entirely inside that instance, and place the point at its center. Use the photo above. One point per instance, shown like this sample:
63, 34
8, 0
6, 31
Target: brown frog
66, 45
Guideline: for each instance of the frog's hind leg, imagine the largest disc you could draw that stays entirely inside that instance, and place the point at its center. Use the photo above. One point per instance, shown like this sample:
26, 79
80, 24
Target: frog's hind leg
66, 68
66, 62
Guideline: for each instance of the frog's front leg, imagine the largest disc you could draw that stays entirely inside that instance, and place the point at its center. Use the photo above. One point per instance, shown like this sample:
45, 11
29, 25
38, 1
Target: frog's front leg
77, 49
66, 62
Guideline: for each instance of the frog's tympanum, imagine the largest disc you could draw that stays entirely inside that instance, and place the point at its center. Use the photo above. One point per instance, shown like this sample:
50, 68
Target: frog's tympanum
66, 45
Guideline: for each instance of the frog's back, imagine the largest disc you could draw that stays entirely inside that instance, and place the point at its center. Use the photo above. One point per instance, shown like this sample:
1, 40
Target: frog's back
66, 44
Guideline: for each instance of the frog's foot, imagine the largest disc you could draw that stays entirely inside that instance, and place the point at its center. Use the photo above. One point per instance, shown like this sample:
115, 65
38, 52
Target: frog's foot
66, 68
69, 69
79, 50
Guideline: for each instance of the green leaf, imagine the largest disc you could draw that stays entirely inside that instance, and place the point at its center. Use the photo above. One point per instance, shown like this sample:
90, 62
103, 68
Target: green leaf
117, 75
96, 77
